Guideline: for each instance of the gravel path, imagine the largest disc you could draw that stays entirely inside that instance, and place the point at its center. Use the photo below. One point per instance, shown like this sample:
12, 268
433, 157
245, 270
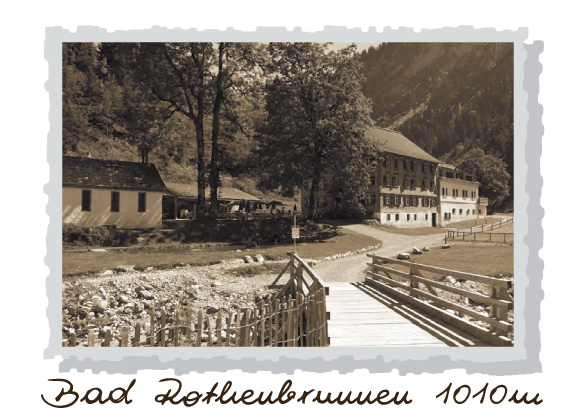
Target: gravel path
352, 268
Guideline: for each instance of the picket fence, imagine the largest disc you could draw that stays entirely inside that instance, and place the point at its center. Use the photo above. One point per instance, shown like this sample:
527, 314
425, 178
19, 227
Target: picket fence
285, 322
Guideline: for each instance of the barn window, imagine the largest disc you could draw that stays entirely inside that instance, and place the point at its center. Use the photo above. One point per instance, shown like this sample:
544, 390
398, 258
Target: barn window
86, 200
141, 202
115, 196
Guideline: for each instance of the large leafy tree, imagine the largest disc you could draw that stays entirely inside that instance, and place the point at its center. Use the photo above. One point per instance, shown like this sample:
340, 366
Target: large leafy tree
489, 170
316, 120
180, 76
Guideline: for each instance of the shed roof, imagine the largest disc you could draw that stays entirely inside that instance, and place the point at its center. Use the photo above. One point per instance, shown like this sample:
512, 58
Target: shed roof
101, 173
395, 142
224, 192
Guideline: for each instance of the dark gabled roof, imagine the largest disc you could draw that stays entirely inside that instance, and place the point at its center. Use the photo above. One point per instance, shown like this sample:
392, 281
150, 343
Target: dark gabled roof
101, 173
224, 192
395, 142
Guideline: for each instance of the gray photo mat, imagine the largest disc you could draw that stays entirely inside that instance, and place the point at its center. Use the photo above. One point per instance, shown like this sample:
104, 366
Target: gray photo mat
522, 358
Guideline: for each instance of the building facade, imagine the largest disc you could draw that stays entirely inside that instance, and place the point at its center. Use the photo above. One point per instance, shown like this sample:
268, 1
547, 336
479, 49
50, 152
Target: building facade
459, 198
409, 187
99, 192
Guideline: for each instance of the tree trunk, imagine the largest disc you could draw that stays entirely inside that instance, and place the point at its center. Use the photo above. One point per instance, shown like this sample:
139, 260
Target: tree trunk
201, 207
214, 172
316, 177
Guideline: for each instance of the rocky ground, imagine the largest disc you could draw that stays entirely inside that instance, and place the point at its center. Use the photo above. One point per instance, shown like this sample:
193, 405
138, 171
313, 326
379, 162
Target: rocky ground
123, 296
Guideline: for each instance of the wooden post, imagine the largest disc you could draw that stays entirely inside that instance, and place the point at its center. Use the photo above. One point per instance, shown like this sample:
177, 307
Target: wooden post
227, 339
219, 329
73, 340
289, 329
199, 330
177, 328
261, 341
90, 338
107, 339
189, 325
269, 331
209, 341
137, 335
496, 311
125, 337
277, 314
237, 332
163, 329
151, 339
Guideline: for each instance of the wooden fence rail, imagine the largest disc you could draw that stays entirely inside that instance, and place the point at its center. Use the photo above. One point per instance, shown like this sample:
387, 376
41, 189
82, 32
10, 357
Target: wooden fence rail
481, 228
405, 285
299, 321
503, 237
302, 279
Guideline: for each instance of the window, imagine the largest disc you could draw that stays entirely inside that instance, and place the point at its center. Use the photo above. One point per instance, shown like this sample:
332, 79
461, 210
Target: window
387, 161
407, 182
425, 202
431, 185
386, 199
373, 199
413, 183
386, 179
141, 202
408, 217
432, 168
387, 217
396, 200
454, 211
423, 187
384, 163
415, 217
413, 166
372, 180
443, 191
414, 201
405, 165
426, 217
433, 202
423, 167
115, 196
86, 200
394, 180
460, 211
397, 217
473, 212
447, 191
406, 200
395, 163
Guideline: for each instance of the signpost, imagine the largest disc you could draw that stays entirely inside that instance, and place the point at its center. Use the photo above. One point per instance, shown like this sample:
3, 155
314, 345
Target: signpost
295, 232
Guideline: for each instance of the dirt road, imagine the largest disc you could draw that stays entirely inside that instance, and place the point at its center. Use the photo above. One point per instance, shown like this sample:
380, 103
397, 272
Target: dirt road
352, 268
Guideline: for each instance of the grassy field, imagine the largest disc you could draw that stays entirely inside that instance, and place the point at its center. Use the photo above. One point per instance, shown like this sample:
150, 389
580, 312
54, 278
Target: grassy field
412, 231
471, 223
478, 258
76, 262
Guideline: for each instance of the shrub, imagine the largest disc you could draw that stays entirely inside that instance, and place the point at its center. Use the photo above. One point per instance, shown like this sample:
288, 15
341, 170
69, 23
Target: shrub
90, 236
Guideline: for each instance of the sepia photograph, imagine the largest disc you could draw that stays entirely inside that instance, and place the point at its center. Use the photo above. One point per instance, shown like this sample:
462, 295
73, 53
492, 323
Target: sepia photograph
224, 194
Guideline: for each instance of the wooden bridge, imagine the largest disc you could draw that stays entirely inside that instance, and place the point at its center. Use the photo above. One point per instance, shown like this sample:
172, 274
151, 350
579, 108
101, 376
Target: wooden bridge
424, 306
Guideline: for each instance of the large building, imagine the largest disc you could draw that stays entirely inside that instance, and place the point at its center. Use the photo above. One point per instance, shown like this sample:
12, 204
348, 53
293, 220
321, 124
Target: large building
458, 196
99, 192
405, 189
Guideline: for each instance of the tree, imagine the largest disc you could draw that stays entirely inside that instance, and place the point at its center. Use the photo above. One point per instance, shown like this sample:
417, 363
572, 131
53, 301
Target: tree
237, 70
179, 75
316, 120
489, 170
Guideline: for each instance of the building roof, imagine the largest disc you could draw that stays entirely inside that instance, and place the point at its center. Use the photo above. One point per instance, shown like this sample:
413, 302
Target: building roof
224, 192
100, 173
395, 142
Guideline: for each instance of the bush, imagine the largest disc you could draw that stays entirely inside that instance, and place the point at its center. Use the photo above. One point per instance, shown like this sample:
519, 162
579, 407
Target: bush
90, 236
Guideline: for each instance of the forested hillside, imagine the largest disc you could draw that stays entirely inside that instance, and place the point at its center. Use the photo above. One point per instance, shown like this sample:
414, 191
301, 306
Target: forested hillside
448, 98
444, 94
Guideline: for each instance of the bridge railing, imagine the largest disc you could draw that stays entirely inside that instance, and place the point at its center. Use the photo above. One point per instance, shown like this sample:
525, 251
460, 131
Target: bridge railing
302, 279
305, 294
406, 285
